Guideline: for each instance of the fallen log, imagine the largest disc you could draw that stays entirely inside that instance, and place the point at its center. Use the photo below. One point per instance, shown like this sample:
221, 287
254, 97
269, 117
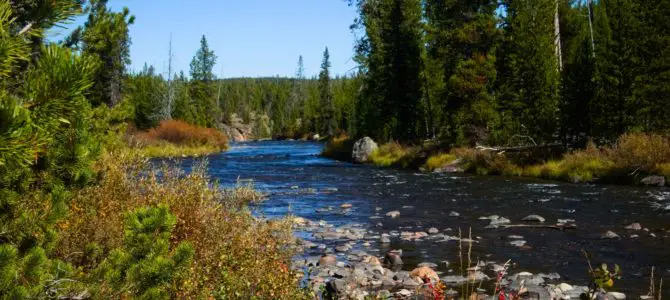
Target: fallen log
520, 148
556, 227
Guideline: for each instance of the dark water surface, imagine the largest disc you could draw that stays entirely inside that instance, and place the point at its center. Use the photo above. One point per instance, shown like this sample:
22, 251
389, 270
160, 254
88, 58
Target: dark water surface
279, 167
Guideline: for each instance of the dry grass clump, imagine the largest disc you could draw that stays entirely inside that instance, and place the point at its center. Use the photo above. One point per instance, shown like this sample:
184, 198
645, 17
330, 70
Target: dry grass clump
339, 147
486, 162
236, 255
641, 152
174, 138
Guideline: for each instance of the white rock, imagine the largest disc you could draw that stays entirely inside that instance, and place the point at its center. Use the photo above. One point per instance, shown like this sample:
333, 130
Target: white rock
403, 293
534, 218
616, 295
393, 214
564, 287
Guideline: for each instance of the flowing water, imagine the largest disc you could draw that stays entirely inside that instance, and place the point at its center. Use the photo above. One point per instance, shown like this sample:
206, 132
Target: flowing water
300, 182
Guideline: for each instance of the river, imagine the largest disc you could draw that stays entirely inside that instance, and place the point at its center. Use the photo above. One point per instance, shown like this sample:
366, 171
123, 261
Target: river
299, 181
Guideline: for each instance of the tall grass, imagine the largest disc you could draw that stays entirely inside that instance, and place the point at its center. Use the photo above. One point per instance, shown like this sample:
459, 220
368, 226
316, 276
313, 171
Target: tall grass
391, 154
175, 138
630, 158
236, 255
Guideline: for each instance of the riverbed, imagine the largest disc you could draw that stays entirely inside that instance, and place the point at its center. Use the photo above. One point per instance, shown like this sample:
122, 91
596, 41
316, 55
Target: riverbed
300, 182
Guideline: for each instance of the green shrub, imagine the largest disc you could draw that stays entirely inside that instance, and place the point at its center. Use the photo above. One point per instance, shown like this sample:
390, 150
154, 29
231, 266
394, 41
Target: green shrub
145, 267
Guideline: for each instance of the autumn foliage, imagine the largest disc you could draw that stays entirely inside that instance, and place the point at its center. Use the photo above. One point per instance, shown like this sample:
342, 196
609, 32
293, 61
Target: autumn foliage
180, 133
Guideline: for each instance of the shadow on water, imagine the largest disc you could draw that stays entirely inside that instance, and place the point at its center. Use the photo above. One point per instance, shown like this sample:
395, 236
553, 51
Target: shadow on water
301, 182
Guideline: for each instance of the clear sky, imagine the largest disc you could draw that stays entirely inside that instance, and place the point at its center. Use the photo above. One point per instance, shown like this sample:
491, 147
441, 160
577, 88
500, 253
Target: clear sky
250, 37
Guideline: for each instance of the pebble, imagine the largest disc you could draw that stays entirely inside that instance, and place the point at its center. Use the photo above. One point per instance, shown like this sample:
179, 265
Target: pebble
634, 226
403, 293
454, 214
346, 205
515, 237
433, 230
616, 295
393, 214
518, 243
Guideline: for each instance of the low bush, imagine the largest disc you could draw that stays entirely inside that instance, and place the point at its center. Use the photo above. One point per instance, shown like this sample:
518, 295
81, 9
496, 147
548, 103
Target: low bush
235, 254
174, 138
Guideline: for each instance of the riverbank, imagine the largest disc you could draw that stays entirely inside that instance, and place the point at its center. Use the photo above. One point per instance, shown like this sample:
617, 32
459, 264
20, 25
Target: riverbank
633, 159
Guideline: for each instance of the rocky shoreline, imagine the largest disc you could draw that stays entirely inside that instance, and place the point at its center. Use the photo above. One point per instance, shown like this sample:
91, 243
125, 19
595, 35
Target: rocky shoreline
348, 262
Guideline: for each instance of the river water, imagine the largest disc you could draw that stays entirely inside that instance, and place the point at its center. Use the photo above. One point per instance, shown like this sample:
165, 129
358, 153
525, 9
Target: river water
300, 182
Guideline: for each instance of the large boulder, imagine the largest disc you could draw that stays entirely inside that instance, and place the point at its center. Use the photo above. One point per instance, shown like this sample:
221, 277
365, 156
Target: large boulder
653, 180
363, 148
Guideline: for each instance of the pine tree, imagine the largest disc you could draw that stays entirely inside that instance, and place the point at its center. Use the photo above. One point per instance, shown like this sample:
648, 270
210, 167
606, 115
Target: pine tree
203, 63
202, 90
105, 36
390, 56
144, 266
47, 146
528, 70
462, 41
326, 95
651, 90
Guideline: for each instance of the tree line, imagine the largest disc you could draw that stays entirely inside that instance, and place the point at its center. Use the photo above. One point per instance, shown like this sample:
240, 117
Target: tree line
512, 71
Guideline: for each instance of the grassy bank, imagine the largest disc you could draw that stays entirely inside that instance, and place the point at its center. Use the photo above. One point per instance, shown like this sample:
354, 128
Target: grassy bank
176, 138
631, 158
232, 254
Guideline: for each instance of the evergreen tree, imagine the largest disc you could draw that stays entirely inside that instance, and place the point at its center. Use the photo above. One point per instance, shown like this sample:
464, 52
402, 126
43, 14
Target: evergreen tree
651, 89
47, 146
203, 63
146, 91
326, 95
390, 57
462, 41
528, 70
144, 267
105, 37
202, 90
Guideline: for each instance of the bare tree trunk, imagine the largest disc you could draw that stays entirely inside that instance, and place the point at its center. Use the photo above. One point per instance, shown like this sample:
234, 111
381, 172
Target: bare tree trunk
589, 4
557, 42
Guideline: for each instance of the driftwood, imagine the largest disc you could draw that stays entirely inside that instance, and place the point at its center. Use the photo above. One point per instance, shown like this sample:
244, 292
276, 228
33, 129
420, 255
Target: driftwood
519, 148
556, 227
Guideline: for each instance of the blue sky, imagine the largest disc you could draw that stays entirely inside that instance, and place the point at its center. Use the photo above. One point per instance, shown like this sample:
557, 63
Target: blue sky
250, 37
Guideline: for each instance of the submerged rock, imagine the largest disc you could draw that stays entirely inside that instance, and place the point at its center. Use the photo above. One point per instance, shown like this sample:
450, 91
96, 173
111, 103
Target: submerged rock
534, 218
609, 235
393, 214
392, 258
634, 226
327, 260
653, 181
363, 148
518, 243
